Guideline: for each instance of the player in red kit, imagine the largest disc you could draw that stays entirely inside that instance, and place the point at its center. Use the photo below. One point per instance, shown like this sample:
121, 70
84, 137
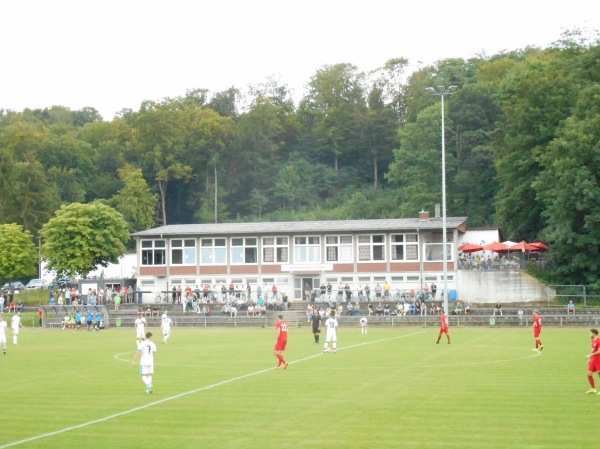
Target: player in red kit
537, 330
443, 328
282, 334
593, 361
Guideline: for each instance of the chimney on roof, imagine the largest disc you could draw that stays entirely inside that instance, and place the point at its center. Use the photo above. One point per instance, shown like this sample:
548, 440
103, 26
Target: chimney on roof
423, 215
438, 210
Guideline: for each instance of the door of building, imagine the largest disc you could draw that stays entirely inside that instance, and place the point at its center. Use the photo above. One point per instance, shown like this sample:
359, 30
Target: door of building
303, 285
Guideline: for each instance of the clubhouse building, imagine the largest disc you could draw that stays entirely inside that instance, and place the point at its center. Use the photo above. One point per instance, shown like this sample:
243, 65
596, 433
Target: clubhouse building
300, 256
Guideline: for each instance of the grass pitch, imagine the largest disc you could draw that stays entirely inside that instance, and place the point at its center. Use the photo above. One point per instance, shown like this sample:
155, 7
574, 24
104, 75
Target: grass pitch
217, 388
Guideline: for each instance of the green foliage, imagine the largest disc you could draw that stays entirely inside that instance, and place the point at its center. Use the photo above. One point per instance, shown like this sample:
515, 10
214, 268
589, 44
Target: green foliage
18, 253
136, 203
82, 236
519, 151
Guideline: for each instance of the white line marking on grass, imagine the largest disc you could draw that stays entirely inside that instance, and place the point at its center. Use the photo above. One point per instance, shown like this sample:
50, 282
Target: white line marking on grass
177, 396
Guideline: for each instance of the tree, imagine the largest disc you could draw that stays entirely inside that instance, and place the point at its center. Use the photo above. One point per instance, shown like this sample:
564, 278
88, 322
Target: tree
416, 168
135, 201
81, 236
159, 145
333, 110
569, 188
18, 253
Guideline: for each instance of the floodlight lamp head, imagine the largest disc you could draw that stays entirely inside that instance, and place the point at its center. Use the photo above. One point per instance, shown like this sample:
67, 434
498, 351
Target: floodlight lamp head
441, 89
452, 88
431, 90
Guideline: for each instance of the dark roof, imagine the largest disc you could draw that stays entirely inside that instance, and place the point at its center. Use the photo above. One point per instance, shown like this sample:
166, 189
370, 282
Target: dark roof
300, 227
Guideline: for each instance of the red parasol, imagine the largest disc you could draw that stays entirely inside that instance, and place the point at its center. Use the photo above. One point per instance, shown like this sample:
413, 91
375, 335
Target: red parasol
524, 246
470, 248
497, 247
540, 246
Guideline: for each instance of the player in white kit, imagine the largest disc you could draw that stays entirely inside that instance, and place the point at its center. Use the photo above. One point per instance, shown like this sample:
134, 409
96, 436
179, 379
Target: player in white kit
166, 325
331, 336
3, 328
147, 350
140, 328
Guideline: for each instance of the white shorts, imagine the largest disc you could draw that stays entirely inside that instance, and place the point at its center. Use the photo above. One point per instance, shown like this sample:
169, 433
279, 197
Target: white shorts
140, 334
15, 331
331, 336
146, 369
3, 340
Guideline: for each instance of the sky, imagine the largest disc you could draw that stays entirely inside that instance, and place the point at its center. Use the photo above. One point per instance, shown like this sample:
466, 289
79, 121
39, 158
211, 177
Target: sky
114, 54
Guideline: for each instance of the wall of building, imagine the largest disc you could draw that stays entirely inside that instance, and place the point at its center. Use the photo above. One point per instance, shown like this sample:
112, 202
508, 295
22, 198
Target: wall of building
501, 285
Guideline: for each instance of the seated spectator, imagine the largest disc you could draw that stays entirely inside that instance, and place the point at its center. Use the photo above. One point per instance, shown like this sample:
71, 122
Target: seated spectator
12, 307
498, 309
379, 309
20, 306
458, 309
467, 308
571, 308
370, 309
148, 311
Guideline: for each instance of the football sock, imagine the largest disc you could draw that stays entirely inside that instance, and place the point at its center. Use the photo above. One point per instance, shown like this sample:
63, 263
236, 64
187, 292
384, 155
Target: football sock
591, 381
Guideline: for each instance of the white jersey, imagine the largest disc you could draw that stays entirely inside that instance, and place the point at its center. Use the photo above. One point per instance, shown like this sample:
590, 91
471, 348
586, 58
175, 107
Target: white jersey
148, 349
166, 325
331, 325
363, 321
140, 327
15, 322
3, 327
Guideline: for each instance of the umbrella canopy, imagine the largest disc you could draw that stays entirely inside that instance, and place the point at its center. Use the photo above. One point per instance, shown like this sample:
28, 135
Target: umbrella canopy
540, 246
524, 246
470, 248
496, 247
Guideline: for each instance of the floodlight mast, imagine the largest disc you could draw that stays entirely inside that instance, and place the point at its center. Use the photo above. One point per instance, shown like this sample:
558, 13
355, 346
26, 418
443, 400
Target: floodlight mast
441, 92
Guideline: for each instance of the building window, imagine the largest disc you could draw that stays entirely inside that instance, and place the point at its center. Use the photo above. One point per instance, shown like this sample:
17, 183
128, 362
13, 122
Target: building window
213, 251
275, 249
154, 252
371, 248
307, 250
244, 250
405, 246
338, 248
183, 252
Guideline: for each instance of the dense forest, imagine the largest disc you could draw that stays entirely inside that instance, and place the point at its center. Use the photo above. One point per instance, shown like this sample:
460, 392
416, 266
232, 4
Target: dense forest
522, 134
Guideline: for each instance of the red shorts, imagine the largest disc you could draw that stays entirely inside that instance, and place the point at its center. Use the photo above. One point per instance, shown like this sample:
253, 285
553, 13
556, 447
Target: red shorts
594, 365
280, 345
537, 332
444, 330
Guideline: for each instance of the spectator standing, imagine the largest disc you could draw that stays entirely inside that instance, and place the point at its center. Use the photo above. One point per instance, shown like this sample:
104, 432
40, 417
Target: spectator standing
537, 330
520, 316
280, 345
386, 289
331, 324
117, 300
40, 316
443, 328
147, 350
593, 360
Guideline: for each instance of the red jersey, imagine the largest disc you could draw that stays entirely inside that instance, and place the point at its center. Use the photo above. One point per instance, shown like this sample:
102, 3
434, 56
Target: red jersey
282, 337
537, 323
595, 346
444, 321
283, 330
